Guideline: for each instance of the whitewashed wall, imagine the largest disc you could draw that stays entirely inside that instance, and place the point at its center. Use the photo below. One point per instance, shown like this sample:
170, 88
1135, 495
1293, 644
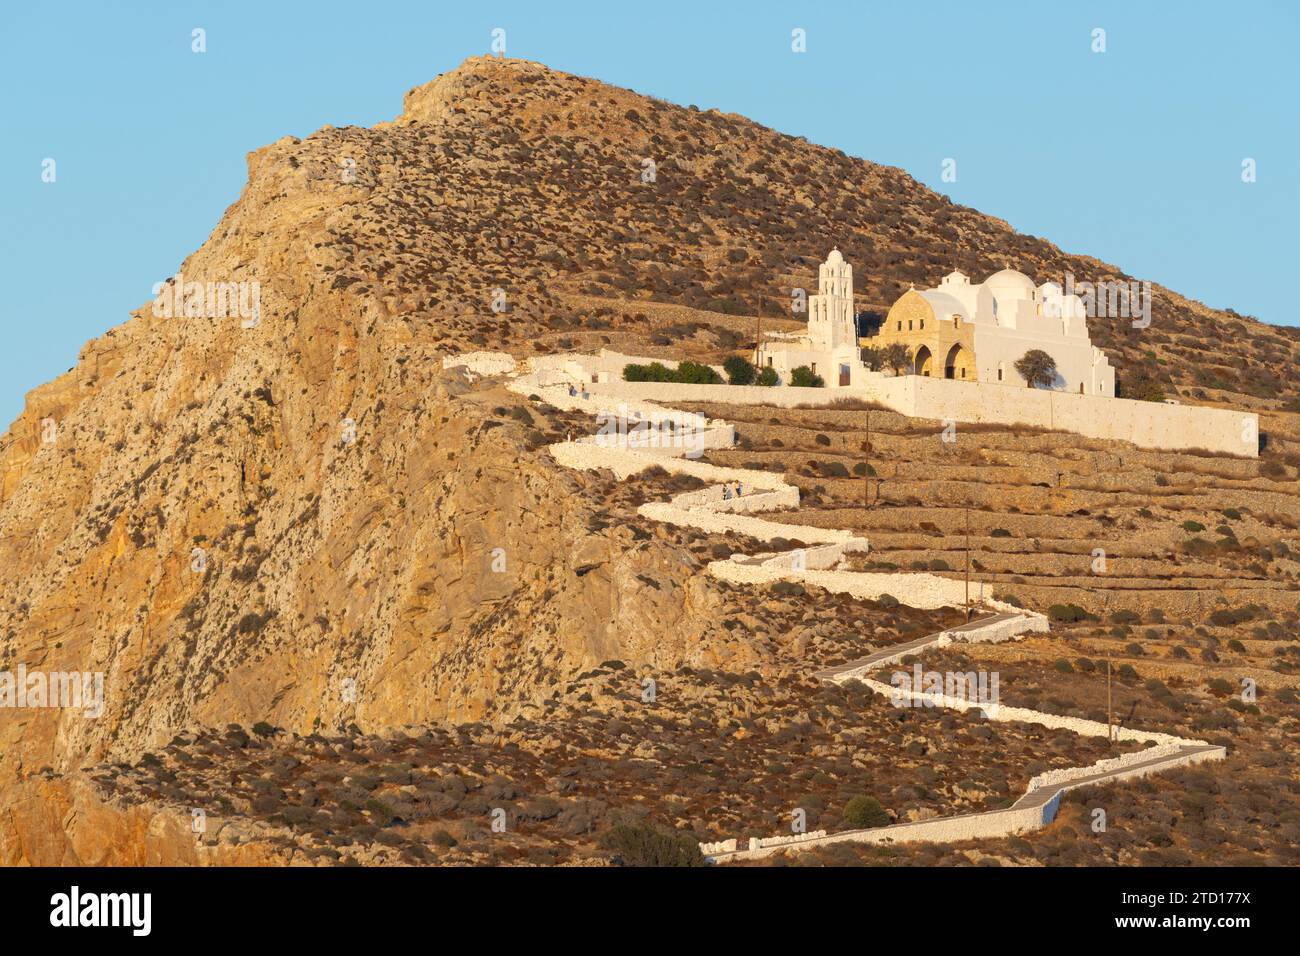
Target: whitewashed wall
1145, 424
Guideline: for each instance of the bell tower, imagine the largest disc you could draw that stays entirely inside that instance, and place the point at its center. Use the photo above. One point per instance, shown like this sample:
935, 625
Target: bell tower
830, 312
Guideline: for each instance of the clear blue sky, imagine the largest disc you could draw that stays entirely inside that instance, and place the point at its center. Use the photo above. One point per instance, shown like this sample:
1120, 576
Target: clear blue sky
1132, 155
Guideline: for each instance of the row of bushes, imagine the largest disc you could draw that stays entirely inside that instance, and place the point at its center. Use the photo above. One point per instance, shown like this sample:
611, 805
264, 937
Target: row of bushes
688, 373
740, 371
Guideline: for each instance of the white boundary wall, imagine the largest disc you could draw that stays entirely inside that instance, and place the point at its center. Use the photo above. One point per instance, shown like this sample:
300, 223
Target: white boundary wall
919, 589
973, 826
700, 509
1026, 622
1145, 424
1079, 725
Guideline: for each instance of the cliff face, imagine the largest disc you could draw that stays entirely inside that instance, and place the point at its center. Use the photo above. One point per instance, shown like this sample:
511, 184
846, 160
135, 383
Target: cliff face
297, 522
305, 520
65, 822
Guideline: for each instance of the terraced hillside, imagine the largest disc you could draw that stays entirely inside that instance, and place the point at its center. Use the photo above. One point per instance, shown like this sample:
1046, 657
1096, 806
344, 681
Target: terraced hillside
1181, 536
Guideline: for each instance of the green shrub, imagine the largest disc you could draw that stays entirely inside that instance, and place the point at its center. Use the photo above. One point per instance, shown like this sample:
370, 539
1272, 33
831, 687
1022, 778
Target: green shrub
1192, 527
643, 844
863, 811
739, 370
999, 533
654, 372
1063, 666
1226, 617
803, 377
1219, 687
767, 377
688, 373
694, 373
1067, 613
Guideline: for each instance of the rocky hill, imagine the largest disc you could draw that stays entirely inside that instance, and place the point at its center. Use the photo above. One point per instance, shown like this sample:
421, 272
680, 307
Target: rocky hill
309, 523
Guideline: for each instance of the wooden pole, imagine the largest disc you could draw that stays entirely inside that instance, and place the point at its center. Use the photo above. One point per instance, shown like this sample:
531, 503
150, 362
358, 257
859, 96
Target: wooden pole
866, 465
1110, 723
968, 562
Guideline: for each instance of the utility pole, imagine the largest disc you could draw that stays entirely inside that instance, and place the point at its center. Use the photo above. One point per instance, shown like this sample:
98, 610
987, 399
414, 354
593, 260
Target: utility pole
866, 465
758, 329
1110, 724
968, 563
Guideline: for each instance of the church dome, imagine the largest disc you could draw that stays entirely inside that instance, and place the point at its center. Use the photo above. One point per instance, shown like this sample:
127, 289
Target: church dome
1010, 284
835, 258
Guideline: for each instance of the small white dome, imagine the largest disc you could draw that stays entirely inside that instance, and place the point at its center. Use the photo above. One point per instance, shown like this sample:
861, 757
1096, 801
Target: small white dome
835, 258
1009, 283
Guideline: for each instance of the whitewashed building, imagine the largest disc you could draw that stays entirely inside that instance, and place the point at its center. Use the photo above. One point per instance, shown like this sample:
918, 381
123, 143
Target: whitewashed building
978, 332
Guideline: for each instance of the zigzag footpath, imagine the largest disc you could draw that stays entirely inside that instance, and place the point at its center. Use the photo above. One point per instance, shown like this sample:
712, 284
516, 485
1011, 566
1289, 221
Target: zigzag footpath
664, 437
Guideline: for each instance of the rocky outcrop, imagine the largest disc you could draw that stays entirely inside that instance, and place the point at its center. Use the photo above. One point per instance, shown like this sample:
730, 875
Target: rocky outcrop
51, 821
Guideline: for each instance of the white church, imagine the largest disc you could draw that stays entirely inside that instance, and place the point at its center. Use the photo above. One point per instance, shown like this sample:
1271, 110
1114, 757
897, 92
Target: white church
957, 330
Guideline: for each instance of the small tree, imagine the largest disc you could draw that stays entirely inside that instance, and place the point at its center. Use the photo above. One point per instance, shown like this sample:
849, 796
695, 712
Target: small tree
1037, 368
804, 377
864, 811
872, 358
896, 357
739, 370
767, 377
